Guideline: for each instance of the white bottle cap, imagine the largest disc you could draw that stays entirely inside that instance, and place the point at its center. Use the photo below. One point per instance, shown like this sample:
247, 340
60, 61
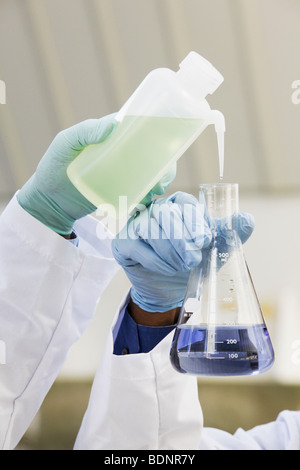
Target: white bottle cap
200, 73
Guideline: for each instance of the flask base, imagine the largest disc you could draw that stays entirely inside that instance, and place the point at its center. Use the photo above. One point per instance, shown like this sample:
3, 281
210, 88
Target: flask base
222, 351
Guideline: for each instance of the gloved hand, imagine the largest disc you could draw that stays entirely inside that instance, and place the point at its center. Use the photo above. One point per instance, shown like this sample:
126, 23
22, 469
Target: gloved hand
158, 247
49, 195
160, 188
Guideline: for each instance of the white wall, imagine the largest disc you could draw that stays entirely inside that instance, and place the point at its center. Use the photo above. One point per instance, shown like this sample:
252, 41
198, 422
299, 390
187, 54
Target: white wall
273, 255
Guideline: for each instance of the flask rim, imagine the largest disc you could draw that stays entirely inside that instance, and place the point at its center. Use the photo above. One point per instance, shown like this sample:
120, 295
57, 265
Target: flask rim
219, 185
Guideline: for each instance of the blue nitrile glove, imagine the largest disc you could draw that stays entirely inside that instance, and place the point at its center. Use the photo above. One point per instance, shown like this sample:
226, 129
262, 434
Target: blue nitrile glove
158, 247
225, 239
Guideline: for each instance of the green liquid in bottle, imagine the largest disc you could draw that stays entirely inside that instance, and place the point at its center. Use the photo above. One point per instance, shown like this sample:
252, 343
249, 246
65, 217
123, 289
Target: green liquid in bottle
133, 158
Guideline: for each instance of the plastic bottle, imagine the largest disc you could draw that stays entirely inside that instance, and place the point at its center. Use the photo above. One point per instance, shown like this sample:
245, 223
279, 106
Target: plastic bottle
157, 124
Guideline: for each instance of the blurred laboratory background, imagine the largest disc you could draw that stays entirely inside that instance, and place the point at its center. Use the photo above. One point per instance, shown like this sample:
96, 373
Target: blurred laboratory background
63, 61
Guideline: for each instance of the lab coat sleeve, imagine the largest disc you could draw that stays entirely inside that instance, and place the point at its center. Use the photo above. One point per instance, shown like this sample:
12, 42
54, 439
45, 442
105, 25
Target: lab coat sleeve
281, 434
48, 292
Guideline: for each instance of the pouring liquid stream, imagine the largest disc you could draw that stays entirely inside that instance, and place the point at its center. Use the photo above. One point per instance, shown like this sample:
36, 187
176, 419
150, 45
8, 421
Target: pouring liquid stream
220, 140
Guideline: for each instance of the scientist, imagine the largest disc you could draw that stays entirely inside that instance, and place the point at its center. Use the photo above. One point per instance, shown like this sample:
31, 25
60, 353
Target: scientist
55, 263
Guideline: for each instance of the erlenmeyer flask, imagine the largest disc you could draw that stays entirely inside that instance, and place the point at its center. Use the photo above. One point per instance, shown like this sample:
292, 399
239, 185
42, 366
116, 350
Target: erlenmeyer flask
221, 329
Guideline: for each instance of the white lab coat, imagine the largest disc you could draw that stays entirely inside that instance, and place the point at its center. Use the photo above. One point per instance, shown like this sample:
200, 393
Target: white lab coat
48, 293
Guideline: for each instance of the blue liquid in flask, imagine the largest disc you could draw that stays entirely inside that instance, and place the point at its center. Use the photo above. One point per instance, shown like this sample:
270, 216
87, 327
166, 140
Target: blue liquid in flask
238, 350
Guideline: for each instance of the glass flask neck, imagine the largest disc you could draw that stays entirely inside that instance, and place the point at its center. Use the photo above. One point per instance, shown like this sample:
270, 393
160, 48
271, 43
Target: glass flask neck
221, 199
